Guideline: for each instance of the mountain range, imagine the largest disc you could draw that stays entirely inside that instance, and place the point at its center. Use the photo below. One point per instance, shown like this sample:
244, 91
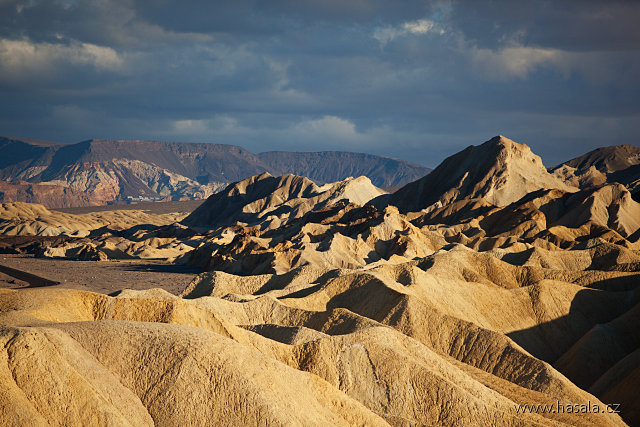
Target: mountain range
478, 294
97, 172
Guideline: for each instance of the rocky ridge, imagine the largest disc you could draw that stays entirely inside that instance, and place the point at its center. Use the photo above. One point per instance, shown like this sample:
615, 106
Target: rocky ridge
619, 163
501, 171
339, 304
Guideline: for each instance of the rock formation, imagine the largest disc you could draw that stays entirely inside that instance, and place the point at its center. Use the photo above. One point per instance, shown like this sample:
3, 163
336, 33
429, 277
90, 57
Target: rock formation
618, 163
488, 285
277, 200
501, 171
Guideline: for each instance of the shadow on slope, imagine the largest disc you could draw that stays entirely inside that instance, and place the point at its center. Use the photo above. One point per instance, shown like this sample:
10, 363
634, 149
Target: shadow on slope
596, 356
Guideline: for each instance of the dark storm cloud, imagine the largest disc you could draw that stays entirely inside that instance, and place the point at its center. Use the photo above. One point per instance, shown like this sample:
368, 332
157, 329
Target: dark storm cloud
585, 25
416, 80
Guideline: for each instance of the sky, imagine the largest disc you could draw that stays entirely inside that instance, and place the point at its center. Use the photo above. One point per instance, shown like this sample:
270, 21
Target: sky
414, 80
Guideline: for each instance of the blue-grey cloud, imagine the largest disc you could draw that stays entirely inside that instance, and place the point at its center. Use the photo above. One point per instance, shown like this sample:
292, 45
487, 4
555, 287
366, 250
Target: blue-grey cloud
414, 80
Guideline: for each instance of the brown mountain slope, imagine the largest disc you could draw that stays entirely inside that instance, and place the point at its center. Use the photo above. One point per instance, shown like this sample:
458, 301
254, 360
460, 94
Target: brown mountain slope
501, 171
619, 163
48, 195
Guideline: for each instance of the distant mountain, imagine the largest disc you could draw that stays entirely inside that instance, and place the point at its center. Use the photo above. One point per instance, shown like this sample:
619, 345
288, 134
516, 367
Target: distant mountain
331, 166
617, 163
501, 171
47, 195
104, 171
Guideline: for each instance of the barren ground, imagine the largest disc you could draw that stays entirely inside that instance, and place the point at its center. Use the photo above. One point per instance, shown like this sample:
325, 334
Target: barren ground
96, 276
149, 207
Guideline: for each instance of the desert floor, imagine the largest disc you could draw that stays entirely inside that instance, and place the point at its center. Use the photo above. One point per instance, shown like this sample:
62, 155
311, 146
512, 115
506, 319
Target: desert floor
97, 276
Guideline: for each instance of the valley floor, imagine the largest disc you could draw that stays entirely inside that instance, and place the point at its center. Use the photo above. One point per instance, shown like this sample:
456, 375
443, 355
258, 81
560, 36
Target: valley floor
103, 277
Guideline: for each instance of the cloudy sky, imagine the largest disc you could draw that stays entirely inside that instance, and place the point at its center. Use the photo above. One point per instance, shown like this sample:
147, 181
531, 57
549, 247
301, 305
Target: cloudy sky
415, 80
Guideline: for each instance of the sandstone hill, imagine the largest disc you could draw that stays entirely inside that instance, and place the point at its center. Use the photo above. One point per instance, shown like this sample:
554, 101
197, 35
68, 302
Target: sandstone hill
346, 235
501, 171
276, 200
385, 345
320, 305
607, 159
620, 163
118, 234
101, 171
32, 219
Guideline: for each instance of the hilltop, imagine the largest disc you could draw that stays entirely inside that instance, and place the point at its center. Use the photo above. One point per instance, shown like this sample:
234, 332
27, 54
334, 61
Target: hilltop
501, 171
